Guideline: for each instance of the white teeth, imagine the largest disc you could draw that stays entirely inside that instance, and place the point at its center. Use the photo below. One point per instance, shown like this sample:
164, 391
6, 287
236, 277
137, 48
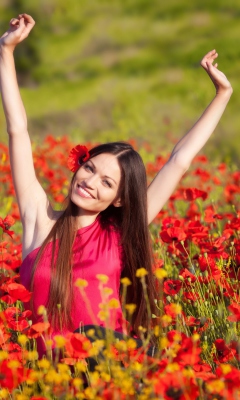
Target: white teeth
83, 191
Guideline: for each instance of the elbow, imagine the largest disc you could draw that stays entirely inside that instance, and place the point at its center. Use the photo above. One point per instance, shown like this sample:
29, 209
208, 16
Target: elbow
17, 130
180, 162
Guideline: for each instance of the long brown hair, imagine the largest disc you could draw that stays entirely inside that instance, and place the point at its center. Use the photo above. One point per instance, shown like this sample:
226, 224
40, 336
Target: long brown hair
130, 219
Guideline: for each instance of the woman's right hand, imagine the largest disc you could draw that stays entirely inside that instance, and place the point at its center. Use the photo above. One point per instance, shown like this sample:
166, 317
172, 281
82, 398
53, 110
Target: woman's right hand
20, 28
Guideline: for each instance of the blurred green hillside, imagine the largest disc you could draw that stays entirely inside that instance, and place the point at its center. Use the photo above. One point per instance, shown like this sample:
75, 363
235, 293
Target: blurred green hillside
104, 70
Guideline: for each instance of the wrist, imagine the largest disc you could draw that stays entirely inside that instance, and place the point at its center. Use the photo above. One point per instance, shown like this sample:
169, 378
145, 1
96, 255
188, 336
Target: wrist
6, 49
225, 92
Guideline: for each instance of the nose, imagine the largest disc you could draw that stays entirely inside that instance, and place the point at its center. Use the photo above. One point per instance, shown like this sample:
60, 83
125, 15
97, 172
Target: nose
90, 182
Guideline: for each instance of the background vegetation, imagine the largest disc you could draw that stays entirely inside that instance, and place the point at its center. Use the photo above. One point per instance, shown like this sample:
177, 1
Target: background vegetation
104, 70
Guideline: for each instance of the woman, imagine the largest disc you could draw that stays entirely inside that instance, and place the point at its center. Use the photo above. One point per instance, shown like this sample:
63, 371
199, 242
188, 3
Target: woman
103, 229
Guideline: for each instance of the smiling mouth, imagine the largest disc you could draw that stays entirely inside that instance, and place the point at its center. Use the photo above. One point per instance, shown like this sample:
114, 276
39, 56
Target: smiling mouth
84, 193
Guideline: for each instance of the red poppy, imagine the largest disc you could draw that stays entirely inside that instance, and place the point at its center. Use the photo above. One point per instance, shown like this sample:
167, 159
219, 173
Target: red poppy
37, 329
18, 292
192, 296
6, 224
189, 352
77, 345
78, 155
224, 352
205, 175
4, 335
188, 277
234, 308
176, 385
231, 378
38, 398
11, 377
173, 235
172, 286
17, 320
194, 193
197, 230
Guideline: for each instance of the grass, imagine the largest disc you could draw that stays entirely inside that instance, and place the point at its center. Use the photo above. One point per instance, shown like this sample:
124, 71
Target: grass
107, 70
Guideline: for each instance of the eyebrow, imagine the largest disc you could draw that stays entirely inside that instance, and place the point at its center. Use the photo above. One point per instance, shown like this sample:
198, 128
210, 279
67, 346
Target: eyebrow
105, 176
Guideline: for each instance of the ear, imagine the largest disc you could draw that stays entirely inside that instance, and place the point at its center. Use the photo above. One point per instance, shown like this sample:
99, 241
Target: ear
117, 203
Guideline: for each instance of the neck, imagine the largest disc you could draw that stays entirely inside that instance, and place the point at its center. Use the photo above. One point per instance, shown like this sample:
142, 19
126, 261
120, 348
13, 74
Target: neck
85, 219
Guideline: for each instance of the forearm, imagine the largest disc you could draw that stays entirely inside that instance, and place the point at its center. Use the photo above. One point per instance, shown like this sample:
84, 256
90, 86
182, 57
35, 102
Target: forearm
186, 149
14, 110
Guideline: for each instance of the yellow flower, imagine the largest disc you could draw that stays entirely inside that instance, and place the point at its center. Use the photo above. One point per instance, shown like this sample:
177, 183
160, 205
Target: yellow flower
215, 386
160, 273
125, 281
176, 308
32, 355
22, 339
21, 397
142, 329
113, 303
49, 343
3, 355
44, 363
36, 375
173, 367
226, 368
81, 283
13, 364
141, 272
195, 337
103, 315
136, 366
60, 341
131, 344
4, 394
106, 377
52, 376
156, 330
188, 373
102, 278
107, 291
90, 333
62, 368
41, 310
77, 382
166, 319
90, 393
177, 337
121, 346
81, 366
130, 308
164, 343
93, 352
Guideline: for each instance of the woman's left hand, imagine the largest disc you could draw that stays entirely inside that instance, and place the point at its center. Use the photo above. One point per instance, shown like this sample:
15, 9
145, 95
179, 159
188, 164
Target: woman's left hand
220, 81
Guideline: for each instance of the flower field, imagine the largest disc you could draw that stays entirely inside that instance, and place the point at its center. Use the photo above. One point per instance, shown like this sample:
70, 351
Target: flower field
196, 240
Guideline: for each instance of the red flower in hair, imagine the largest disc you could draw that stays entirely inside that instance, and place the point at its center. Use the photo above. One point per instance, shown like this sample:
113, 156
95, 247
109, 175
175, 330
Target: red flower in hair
77, 156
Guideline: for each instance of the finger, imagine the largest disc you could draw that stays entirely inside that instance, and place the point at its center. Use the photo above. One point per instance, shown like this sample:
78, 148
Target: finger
14, 21
216, 65
210, 56
210, 53
27, 18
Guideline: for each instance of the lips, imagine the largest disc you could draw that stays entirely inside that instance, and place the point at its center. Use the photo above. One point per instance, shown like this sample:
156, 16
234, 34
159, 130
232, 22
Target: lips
83, 192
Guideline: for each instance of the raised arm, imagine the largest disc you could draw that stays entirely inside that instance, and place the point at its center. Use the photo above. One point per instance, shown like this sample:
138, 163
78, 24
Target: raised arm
31, 198
186, 149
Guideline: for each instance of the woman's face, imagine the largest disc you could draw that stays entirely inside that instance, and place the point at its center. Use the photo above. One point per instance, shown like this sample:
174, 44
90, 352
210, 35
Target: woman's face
96, 184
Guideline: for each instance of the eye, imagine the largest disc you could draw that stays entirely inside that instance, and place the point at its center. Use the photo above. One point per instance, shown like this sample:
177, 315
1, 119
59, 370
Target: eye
107, 183
88, 167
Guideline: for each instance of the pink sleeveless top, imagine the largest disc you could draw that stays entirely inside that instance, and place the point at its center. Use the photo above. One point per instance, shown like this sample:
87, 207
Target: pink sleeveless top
96, 250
